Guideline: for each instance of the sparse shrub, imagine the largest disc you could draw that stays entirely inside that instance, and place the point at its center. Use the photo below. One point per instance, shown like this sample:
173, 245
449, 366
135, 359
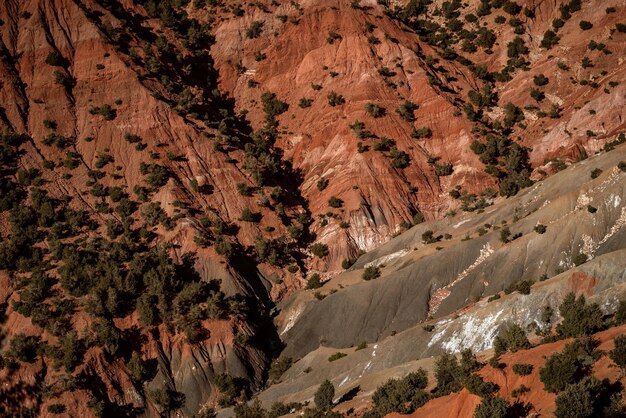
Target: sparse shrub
505, 234
399, 159
537, 94
56, 408
429, 237
167, 400
272, 105
478, 386
63, 79
322, 183
156, 175
555, 113
447, 371
248, 216
386, 72
373, 40
492, 407
325, 393
132, 138
304, 102
255, 29
319, 249
359, 130
519, 391
620, 313
24, 347
522, 369
443, 170
578, 317
338, 355
314, 282
595, 173
586, 62
512, 115
54, 59
335, 202
106, 111
512, 8
335, 99
103, 160
549, 40
540, 80
585, 25
332, 37
279, 367
406, 109
512, 339
371, 273
579, 400
540, 229
49, 124
60, 141
374, 110
579, 259
401, 395
618, 354
138, 369
423, 132
523, 287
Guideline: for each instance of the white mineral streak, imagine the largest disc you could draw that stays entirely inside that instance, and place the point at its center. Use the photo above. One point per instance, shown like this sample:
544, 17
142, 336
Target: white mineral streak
477, 333
387, 258
293, 317
441, 294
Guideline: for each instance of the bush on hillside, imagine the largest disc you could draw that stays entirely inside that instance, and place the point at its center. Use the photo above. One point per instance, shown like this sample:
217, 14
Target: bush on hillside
492, 407
618, 354
580, 400
522, 369
569, 366
314, 282
319, 249
512, 339
371, 273
324, 395
578, 317
401, 395
447, 371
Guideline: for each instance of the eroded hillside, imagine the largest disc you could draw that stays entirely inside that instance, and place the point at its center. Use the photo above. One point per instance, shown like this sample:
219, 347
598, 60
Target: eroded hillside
421, 84
439, 286
170, 170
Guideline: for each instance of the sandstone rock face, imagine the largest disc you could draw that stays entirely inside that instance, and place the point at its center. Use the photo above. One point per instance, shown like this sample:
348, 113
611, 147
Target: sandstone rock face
377, 196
